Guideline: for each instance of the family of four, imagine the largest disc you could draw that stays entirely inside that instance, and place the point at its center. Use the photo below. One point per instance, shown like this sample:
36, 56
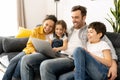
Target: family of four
84, 53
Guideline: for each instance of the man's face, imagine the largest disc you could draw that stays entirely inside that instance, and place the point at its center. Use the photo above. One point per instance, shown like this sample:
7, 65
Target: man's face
77, 19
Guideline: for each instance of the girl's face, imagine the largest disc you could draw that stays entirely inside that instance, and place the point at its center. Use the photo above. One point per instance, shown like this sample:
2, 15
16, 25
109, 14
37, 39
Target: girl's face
59, 30
48, 26
93, 36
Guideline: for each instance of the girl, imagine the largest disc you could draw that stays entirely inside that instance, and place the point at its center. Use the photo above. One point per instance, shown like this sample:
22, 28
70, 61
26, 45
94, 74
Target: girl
59, 40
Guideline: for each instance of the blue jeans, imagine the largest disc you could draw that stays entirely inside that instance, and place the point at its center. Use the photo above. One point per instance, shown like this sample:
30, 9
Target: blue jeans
17, 70
67, 76
52, 68
86, 64
30, 64
70, 76
13, 69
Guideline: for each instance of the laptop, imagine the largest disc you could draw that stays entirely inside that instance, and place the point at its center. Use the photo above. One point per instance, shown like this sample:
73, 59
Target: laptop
43, 47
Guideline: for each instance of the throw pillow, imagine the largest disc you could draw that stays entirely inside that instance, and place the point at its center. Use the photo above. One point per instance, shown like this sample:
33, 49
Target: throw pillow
14, 44
22, 32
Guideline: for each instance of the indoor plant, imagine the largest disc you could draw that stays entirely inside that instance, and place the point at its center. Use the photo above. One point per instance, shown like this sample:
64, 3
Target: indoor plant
114, 20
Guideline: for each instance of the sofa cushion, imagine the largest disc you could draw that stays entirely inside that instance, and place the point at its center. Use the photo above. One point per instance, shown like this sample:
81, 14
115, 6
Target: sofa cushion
118, 75
22, 33
118, 53
10, 54
114, 38
1, 47
14, 44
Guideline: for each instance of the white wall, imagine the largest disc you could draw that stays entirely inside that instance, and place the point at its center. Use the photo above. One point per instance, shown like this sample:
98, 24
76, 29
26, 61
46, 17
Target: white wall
37, 9
8, 17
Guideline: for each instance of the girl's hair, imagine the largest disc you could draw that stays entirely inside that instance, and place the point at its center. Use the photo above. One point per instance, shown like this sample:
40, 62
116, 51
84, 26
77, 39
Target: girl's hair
64, 26
99, 27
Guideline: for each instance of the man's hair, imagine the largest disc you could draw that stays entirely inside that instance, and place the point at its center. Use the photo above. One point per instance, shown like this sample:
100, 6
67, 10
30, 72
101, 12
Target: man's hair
50, 17
99, 27
81, 8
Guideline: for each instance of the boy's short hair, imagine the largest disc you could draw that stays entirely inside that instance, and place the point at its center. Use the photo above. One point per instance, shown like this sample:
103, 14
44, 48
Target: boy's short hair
99, 27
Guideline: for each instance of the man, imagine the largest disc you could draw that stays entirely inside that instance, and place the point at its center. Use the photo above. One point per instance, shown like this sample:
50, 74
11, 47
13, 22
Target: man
51, 69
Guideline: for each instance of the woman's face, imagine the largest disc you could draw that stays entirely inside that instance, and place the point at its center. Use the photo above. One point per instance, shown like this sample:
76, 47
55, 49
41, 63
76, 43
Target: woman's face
48, 26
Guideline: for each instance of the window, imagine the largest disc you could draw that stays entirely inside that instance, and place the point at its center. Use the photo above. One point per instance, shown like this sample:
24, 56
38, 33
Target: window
8, 17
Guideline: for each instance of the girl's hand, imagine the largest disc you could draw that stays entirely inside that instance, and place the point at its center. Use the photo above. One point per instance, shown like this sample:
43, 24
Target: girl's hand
55, 49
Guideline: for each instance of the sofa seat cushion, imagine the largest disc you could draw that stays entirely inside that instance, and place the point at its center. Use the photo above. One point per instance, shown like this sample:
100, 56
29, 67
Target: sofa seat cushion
10, 54
14, 44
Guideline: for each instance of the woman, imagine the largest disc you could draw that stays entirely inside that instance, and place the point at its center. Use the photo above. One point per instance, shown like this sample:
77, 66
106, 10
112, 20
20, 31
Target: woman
40, 32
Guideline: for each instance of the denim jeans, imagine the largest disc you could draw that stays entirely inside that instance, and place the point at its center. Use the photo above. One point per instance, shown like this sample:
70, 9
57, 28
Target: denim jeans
67, 76
29, 64
17, 70
70, 76
86, 64
13, 67
52, 68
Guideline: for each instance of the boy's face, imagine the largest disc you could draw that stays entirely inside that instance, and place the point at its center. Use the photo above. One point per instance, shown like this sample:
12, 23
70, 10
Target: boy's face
93, 36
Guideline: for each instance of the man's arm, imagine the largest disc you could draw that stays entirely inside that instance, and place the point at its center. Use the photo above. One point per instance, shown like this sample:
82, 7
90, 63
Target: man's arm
112, 74
113, 53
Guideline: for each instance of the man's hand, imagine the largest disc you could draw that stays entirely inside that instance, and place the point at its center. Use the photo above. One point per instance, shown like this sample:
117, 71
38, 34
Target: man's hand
112, 74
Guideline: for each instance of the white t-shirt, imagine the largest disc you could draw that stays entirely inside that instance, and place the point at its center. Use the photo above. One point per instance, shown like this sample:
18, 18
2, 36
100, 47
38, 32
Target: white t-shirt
48, 36
73, 43
97, 48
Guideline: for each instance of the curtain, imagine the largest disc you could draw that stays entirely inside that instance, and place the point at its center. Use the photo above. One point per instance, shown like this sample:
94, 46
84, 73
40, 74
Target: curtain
21, 13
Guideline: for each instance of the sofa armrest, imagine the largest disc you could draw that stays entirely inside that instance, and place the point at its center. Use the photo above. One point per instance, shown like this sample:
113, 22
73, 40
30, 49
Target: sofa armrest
14, 44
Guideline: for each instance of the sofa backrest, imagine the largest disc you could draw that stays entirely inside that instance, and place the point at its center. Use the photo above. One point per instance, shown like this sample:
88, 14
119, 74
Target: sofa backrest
115, 39
1, 47
11, 44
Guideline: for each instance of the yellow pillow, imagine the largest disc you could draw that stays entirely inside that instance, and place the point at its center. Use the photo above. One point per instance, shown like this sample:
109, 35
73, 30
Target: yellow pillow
22, 33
